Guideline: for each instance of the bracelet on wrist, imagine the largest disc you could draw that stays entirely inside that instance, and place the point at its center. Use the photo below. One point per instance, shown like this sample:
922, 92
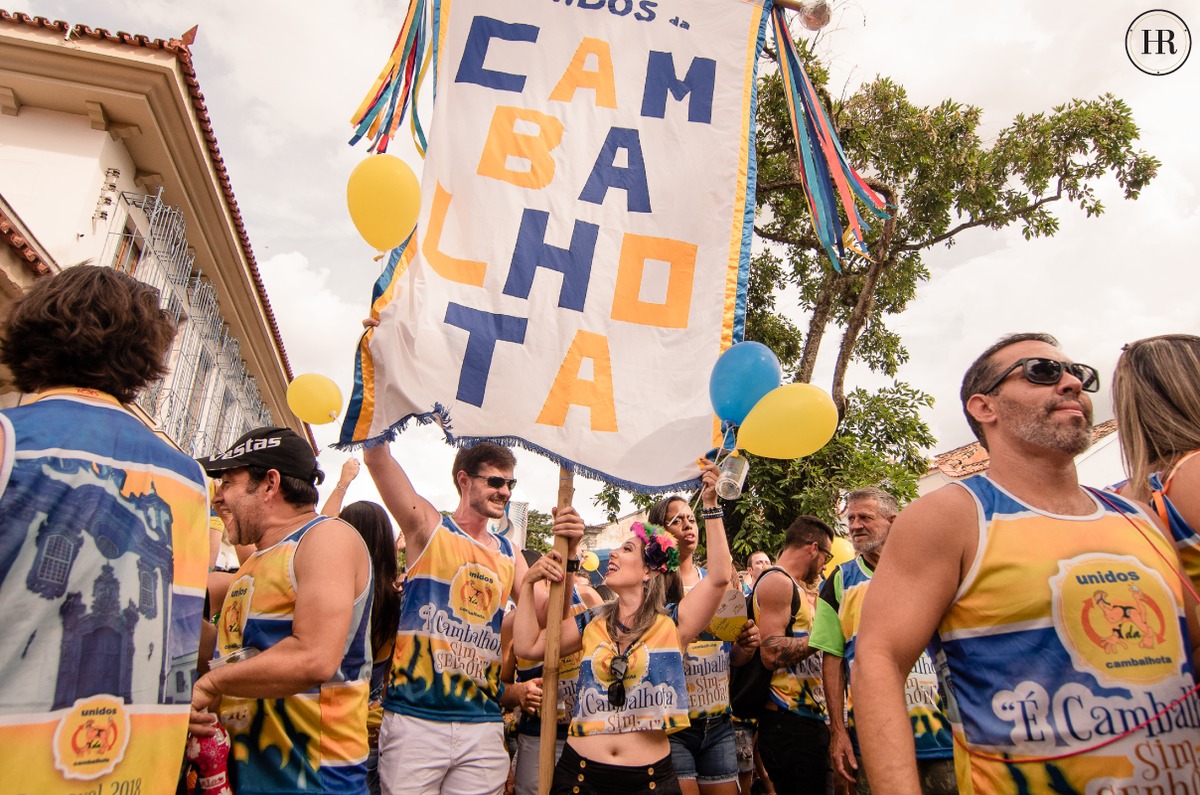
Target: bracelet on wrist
573, 564
716, 512
339, 487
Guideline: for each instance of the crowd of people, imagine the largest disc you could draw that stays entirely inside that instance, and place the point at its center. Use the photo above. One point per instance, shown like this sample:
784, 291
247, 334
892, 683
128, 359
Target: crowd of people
1012, 632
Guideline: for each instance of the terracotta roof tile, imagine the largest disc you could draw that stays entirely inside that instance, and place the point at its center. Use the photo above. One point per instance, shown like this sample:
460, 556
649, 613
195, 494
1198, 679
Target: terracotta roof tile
972, 458
25, 252
183, 55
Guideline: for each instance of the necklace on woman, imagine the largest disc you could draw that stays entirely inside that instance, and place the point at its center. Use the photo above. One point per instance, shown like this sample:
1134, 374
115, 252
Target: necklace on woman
620, 626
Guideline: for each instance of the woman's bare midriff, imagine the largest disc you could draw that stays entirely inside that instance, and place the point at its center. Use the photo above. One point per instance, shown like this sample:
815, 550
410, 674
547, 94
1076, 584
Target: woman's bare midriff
630, 750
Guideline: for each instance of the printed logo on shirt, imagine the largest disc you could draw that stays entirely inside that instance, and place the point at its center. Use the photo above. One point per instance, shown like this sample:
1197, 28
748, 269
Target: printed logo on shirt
635, 672
475, 593
1117, 620
91, 738
234, 613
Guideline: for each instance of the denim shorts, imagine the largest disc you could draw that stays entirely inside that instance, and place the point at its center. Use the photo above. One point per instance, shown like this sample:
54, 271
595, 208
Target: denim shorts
706, 752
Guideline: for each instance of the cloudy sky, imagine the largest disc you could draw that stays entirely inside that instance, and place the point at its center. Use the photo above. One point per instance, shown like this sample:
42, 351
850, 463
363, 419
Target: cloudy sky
282, 79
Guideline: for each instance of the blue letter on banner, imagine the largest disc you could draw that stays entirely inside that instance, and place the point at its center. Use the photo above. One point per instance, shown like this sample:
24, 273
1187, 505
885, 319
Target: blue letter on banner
531, 253
632, 178
660, 78
483, 30
485, 330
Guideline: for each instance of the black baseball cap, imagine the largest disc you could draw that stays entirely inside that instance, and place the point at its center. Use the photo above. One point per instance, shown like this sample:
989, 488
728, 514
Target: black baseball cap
281, 449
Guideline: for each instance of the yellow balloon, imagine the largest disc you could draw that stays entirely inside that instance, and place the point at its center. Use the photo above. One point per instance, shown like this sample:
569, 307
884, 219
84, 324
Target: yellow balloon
590, 561
314, 398
384, 198
791, 421
843, 552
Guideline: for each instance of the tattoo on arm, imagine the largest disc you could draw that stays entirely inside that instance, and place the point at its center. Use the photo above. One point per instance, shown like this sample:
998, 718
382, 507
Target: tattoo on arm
780, 652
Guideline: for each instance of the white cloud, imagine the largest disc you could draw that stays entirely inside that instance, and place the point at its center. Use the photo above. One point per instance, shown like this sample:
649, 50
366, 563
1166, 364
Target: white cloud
281, 80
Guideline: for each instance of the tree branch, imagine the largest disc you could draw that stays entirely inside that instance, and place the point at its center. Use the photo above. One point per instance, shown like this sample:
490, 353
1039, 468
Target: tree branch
881, 257
986, 220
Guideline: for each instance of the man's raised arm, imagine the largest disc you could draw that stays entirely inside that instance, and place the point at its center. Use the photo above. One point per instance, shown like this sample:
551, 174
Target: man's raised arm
415, 514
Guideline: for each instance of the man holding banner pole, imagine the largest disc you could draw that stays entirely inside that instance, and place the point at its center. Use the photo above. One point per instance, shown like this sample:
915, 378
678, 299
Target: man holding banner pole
442, 731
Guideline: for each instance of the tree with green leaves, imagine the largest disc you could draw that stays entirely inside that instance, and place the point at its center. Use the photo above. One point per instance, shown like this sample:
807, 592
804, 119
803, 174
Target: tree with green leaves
943, 180
539, 531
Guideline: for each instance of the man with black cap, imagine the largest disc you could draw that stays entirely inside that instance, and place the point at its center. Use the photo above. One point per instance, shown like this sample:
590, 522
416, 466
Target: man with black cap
293, 660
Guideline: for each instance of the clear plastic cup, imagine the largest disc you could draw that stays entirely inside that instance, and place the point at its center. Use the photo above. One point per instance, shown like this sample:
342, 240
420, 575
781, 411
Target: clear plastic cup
240, 655
733, 476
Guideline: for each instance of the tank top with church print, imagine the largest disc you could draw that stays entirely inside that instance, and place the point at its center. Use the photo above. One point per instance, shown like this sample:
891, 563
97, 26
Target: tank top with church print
655, 690
796, 688
312, 742
568, 680
835, 631
1068, 632
103, 563
446, 666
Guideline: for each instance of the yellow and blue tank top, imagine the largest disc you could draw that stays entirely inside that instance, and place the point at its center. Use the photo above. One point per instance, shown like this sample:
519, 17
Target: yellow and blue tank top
568, 681
103, 567
706, 669
1067, 632
835, 631
1187, 540
796, 688
446, 666
312, 742
655, 691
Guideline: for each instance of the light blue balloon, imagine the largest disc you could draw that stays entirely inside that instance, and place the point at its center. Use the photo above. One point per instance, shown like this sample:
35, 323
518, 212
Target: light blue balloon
740, 378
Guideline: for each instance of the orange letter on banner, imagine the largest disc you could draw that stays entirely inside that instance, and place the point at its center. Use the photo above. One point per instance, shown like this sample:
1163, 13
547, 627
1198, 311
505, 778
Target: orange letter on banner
569, 389
577, 76
503, 142
631, 271
464, 271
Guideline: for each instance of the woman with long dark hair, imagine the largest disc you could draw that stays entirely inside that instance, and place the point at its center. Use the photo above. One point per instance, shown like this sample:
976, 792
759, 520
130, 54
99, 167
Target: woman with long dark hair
372, 523
631, 690
704, 754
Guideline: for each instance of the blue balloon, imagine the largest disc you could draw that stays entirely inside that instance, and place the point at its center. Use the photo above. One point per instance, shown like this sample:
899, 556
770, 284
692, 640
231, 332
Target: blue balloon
740, 378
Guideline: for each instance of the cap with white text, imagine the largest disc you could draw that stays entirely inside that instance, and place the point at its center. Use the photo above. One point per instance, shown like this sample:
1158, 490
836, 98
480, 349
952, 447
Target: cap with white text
276, 448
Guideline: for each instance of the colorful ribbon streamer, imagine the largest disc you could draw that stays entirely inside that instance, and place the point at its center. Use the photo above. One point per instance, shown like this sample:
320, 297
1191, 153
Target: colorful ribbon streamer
824, 171
397, 87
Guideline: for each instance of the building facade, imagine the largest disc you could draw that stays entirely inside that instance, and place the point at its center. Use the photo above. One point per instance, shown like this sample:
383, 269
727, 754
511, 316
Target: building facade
108, 156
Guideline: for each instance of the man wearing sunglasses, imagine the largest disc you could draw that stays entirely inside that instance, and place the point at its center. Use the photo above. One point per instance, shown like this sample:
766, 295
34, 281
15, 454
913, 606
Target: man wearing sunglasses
442, 731
1061, 626
793, 739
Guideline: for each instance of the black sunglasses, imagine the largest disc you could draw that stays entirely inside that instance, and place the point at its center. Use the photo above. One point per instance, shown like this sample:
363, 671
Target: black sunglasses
616, 691
495, 481
1039, 370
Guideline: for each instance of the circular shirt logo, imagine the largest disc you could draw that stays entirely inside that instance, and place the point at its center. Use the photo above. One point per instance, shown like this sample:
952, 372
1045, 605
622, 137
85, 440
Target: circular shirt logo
1117, 620
91, 738
1158, 42
475, 593
635, 672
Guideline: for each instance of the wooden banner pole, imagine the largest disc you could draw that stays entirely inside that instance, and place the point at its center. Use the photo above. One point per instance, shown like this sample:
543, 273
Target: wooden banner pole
554, 617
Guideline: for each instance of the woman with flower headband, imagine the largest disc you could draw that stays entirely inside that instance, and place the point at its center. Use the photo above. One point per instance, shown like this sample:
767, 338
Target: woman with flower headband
631, 689
1156, 397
